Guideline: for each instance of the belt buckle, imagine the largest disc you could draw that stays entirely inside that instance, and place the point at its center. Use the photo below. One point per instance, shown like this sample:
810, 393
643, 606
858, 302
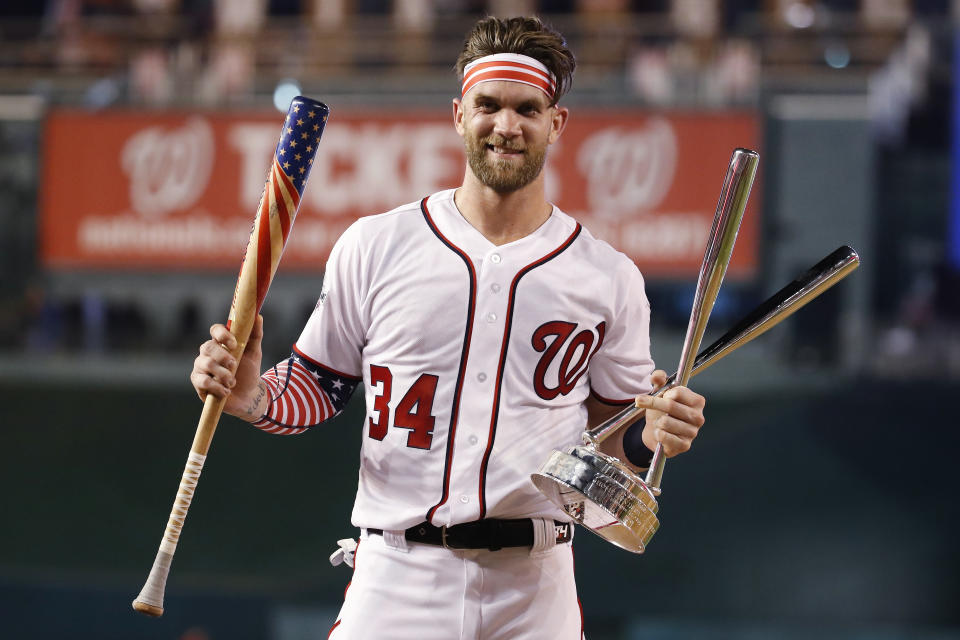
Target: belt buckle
443, 537
445, 540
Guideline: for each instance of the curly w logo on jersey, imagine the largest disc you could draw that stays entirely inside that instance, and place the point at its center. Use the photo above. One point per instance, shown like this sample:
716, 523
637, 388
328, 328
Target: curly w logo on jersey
575, 360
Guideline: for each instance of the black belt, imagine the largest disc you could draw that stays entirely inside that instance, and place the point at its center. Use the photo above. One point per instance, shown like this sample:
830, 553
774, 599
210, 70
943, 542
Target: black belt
482, 534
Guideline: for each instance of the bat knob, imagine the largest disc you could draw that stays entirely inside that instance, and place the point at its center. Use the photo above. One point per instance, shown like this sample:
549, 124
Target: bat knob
147, 609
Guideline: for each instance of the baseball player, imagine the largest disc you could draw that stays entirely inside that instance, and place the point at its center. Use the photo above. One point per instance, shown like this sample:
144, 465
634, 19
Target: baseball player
487, 328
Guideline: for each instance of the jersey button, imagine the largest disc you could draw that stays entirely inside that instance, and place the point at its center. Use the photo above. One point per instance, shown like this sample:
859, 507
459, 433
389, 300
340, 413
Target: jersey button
474, 440
495, 258
495, 288
491, 317
481, 376
464, 499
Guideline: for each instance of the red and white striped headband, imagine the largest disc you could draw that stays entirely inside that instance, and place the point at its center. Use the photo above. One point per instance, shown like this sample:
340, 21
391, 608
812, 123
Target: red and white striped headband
511, 67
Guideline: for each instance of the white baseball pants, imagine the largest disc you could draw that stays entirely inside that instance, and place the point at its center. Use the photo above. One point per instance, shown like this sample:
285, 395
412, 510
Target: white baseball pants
413, 591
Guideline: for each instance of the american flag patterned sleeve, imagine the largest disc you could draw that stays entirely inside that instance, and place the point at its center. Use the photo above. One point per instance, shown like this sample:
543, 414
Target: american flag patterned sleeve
302, 395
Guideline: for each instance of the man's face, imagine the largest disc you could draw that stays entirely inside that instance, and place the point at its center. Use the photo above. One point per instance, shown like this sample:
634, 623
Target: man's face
506, 129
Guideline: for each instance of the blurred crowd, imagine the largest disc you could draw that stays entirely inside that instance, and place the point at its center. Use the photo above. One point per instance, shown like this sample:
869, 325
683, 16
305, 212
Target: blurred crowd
217, 51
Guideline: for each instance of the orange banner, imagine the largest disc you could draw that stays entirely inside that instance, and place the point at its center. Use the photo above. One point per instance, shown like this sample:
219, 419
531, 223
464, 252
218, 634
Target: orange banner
147, 190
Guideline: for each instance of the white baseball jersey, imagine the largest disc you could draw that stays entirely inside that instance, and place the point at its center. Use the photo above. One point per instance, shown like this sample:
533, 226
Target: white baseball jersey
476, 359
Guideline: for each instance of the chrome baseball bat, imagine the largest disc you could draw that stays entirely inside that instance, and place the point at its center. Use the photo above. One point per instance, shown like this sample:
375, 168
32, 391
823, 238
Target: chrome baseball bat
723, 235
781, 305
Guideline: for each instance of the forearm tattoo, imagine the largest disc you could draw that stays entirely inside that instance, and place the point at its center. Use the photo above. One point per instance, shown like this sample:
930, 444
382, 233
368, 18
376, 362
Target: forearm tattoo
255, 403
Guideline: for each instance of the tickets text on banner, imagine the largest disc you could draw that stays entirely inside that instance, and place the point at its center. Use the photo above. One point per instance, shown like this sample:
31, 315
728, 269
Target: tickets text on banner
178, 191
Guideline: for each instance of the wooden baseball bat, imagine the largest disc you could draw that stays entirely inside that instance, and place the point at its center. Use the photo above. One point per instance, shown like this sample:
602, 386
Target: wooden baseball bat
286, 178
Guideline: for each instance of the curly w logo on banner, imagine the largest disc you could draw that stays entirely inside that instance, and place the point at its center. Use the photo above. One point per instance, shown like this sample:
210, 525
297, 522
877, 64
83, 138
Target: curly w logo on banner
168, 169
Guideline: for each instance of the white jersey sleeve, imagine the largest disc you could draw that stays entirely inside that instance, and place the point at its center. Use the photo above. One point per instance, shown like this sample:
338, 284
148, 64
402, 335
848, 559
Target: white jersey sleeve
621, 368
335, 333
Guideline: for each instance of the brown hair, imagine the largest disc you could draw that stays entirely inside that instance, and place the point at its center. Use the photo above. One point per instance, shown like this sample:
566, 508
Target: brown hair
527, 36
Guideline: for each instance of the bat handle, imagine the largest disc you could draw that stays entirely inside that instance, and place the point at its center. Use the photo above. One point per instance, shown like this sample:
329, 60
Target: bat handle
150, 600
655, 472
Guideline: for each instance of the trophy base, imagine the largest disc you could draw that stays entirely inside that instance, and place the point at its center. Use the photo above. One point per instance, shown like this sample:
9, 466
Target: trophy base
601, 493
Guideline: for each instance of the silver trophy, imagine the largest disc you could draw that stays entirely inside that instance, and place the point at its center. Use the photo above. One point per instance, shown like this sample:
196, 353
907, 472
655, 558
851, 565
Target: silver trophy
601, 492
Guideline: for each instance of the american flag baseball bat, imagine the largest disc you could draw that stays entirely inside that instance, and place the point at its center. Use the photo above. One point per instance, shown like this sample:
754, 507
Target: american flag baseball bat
286, 178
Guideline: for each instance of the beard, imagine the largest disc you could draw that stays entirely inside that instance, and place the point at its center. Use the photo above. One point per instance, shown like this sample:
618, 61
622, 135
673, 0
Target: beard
503, 175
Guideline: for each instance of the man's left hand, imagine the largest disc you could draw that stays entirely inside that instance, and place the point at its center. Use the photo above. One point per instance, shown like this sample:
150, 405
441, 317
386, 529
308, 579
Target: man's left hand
673, 419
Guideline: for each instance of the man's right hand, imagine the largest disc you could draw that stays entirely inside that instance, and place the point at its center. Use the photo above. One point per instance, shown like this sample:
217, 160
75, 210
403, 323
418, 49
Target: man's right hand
216, 372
